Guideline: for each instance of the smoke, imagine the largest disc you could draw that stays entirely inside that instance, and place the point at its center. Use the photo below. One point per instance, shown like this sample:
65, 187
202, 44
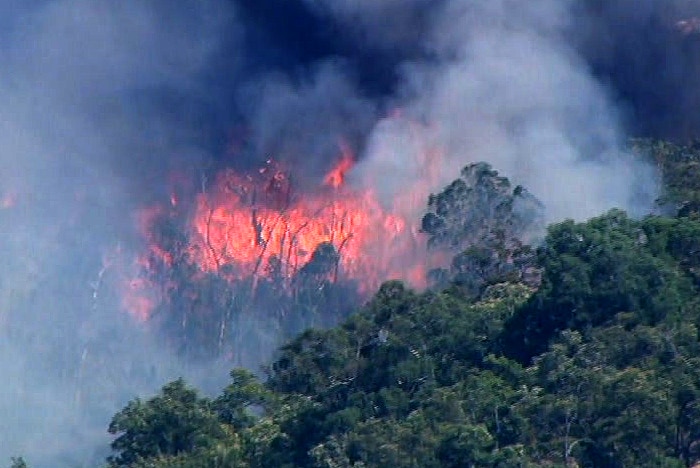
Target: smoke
524, 86
92, 112
303, 124
102, 100
505, 85
649, 57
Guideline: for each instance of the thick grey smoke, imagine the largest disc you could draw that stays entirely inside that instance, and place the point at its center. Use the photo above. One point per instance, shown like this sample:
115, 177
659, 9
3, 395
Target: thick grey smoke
304, 123
546, 91
99, 100
647, 52
505, 85
510, 82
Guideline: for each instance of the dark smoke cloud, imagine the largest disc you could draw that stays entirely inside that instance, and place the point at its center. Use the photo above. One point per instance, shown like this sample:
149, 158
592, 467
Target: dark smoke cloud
101, 100
304, 123
635, 49
547, 91
651, 64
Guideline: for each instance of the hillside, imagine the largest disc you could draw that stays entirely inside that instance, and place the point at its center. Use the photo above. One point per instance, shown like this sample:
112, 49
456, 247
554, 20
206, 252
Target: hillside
595, 363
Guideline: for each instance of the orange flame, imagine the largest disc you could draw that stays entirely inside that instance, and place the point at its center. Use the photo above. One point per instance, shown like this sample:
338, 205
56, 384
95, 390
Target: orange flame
240, 225
137, 301
260, 224
136, 292
336, 177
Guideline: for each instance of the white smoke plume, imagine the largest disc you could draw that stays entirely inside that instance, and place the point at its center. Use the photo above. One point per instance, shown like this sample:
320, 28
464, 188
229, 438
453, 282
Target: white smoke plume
503, 84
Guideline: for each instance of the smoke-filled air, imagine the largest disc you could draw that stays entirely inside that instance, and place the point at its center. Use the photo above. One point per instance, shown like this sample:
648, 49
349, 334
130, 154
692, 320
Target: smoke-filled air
156, 153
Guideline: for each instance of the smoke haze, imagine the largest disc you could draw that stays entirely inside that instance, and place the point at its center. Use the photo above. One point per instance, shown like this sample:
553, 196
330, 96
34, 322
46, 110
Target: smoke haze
102, 100
88, 122
508, 89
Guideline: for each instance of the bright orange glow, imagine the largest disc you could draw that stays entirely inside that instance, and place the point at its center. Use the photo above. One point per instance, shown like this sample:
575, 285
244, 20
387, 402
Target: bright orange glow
135, 299
146, 218
336, 177
261, 225
136, 293
250, 224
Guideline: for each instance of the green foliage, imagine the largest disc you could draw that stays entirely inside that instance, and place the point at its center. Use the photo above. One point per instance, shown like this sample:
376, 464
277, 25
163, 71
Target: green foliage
597, 365
607, 266
420, 380
174, 422
478, 207
241, 398
484, 222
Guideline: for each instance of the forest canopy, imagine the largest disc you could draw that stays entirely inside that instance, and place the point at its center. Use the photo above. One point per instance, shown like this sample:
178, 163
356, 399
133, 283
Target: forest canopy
580, 350
594, 362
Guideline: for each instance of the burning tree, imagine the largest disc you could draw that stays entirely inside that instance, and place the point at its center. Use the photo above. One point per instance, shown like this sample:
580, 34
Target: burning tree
257, 258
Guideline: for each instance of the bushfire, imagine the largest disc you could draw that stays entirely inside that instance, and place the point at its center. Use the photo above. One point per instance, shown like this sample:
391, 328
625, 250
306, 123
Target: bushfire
260, 225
